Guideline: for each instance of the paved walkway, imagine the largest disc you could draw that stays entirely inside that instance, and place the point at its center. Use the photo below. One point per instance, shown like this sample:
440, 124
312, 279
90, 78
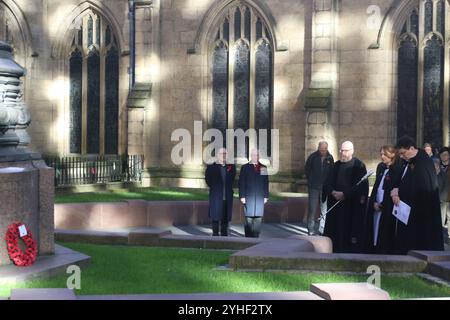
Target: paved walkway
268, 230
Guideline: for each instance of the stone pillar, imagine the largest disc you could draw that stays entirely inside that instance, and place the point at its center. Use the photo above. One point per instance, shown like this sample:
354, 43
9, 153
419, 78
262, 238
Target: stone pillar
144, 139
26, 183
143, 41
322, 93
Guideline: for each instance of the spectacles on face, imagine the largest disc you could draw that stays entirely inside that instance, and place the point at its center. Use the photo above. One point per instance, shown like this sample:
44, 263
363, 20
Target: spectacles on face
343, 150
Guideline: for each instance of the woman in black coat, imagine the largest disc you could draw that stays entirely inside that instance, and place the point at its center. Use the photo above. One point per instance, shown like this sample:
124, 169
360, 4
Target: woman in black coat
380, 229
219, 177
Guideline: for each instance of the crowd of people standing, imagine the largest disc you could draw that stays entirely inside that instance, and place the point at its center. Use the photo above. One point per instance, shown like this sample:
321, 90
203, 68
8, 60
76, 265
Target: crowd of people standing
407, 208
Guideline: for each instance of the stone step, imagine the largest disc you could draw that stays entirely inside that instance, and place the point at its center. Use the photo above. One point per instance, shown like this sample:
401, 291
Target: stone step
42, 294
440, 269
431, 256
349, 291
92, 237
45, 265
311, 261
300, 295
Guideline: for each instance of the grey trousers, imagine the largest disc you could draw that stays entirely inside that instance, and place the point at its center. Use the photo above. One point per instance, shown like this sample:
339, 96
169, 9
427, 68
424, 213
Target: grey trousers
315, 198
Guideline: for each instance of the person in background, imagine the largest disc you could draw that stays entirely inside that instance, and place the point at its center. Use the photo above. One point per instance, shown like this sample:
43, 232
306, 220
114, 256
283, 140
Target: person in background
219, 177
253, 193
444, 190
428, 148
444, 156
317, 168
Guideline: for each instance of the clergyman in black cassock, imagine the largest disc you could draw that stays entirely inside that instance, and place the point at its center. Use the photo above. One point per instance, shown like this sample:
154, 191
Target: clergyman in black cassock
254, 193
418, 188
219, 177
345, 223
380, 221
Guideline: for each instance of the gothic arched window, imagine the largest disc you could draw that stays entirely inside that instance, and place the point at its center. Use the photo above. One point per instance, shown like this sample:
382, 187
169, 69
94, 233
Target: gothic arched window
422, 112
94, 87
242, 77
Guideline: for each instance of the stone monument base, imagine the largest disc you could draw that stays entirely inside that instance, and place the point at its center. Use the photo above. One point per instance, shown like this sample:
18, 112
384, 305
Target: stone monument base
26, 195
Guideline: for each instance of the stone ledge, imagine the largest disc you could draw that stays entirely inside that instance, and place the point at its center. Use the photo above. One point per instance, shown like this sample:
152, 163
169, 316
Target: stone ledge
146, 238
208, 242
349, 291
300, 295
91, 236
431, 256
311, 261
42, 294
440, 269
45, 266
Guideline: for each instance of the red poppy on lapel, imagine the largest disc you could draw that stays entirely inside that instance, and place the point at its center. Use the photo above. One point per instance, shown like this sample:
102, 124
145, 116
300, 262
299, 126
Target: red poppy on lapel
257, 167
229, 167
411, 166
387, 178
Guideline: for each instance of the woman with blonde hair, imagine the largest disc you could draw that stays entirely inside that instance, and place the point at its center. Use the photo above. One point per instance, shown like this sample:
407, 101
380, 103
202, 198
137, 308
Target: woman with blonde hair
380, 221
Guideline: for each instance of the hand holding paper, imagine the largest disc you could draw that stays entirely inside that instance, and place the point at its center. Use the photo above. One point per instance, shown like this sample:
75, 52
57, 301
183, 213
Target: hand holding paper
401, 212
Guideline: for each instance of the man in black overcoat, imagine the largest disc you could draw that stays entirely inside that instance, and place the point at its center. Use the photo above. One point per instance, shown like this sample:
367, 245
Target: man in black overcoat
345, 223
219, 177
418, 188
254, 193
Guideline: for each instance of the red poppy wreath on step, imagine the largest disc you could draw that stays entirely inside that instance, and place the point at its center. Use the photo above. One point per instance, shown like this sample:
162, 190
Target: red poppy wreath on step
17, 256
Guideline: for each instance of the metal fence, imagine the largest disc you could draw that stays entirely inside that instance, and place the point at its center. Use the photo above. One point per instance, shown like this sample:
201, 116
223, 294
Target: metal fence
77, 170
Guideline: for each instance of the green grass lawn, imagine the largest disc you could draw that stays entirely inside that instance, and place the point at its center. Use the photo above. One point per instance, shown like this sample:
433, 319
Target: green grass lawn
136, 270
149, 194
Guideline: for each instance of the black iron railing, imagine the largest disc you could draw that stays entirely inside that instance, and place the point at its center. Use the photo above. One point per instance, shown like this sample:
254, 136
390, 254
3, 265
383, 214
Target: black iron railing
76, 170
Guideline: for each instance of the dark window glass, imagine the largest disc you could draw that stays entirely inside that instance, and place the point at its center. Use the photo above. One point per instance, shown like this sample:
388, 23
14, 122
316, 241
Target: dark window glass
76, 67
220, 89
247, 26
90, 31
97, 31
440, 17
80, 37
263, 91
258, 29
407, 90
226, 30
432, 92
93, 102
237, 24
428, 16
242, 88
112, 102
415, 23
107, 36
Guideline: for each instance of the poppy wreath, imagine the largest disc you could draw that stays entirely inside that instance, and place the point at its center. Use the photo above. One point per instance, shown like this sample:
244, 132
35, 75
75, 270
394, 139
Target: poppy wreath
18, 257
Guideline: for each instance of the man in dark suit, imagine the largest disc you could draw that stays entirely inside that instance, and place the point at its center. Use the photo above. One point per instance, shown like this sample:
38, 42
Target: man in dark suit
219, 177
254, 193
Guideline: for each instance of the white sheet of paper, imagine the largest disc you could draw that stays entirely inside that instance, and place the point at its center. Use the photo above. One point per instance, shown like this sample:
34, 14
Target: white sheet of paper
23, 231
401, 212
